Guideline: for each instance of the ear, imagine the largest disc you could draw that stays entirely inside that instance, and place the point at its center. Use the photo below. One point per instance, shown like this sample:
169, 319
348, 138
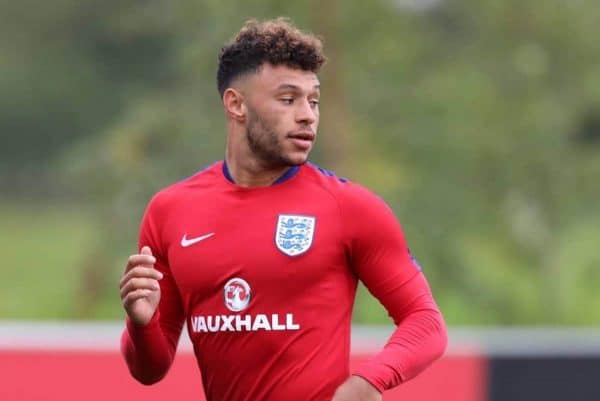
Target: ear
235, 105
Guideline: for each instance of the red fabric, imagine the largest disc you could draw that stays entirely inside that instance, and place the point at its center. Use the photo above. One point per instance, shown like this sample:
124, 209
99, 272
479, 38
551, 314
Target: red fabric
419, 339
290, 340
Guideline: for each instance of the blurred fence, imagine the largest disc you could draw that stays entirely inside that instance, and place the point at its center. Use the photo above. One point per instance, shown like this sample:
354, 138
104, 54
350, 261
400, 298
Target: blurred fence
73, 361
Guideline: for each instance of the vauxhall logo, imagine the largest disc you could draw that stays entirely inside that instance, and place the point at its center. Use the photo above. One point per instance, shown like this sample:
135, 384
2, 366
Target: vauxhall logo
236, 296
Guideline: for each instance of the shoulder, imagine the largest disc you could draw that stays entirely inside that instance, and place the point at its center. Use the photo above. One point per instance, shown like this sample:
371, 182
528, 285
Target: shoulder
348, 194
368, 223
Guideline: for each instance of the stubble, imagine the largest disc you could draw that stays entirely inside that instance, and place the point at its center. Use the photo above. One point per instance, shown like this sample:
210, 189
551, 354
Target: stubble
264, 142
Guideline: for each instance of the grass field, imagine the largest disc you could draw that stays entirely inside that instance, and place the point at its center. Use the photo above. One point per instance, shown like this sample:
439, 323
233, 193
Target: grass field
41, 249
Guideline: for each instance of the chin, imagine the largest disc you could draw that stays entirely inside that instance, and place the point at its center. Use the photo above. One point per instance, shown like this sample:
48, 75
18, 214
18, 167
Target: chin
296, 159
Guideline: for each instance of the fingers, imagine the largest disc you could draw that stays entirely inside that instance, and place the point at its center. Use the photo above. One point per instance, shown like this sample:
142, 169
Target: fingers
146, 250
133, 296
142, 273
140, 277
144, 258
140, 260
136, 284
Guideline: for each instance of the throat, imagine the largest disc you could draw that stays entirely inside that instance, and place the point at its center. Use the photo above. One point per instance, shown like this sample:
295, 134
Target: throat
257, 177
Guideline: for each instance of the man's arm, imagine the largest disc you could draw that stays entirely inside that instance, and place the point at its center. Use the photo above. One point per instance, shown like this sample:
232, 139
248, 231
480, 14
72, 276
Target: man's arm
154, 313
380, 257
419, 339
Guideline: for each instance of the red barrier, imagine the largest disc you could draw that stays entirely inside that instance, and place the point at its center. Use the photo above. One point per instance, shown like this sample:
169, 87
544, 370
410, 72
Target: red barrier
103, 376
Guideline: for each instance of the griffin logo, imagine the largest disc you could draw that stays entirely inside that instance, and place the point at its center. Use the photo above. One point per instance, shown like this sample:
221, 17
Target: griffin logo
237, 294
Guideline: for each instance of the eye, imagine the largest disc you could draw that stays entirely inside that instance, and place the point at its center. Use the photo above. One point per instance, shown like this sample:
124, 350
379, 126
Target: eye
314, 103
287, 100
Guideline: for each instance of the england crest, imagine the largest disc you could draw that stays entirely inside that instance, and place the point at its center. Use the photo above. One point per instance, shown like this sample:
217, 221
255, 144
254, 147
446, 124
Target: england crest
294, 233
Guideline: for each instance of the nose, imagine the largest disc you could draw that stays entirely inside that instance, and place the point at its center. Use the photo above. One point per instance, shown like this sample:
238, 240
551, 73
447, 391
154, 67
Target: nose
306, 114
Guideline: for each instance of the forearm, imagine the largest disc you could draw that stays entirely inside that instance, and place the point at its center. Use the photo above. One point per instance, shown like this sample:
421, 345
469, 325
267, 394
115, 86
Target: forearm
147, 351
418, 341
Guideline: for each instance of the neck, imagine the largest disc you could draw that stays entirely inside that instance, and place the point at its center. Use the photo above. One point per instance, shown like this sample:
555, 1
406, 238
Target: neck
248, 172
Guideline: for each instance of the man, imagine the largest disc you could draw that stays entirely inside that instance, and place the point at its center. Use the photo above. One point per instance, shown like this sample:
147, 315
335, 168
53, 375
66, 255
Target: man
260, 253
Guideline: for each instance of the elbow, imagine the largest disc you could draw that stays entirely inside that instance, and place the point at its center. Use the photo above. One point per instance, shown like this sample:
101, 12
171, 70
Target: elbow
442, 337
144, 365
148, 381
436, 341
147, 378
443, 343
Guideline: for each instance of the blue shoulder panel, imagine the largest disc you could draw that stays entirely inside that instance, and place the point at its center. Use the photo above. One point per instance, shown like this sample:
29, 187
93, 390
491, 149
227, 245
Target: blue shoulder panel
327, 172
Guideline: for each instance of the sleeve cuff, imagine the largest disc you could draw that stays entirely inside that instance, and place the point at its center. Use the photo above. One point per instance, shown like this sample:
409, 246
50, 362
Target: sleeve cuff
372, 381
137, 331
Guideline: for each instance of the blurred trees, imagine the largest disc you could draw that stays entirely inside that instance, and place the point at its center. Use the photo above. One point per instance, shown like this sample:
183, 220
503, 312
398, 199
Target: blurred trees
477, 121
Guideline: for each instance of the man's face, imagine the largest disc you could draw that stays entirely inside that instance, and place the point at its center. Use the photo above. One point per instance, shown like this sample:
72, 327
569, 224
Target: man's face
283, 114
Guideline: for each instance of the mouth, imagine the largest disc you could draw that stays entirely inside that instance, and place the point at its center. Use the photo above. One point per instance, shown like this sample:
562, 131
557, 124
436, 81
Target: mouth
303, 135
303, 139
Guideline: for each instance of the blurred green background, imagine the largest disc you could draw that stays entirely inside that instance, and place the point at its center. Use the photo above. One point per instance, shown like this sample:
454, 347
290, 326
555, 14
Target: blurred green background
477, 121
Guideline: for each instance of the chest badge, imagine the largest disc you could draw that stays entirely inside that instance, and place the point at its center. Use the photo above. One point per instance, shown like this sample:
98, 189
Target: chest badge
294, 233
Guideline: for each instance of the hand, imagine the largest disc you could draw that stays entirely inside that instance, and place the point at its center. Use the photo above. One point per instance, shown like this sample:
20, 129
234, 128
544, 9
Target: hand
140, 291
356, 389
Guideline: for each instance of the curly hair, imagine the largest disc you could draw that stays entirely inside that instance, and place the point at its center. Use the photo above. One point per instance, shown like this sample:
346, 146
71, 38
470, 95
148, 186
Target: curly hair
277, 42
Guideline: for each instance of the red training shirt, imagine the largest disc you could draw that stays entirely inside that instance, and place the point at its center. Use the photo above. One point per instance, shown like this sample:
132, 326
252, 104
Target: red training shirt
265, 279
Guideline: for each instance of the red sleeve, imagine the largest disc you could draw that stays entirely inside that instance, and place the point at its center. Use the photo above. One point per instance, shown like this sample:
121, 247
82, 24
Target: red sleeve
381, 259
149, 350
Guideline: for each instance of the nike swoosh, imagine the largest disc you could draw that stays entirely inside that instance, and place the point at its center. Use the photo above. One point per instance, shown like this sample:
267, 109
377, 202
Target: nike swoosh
185, 242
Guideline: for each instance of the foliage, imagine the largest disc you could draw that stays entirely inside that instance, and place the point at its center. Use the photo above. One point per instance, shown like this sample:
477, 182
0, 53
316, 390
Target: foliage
477, 121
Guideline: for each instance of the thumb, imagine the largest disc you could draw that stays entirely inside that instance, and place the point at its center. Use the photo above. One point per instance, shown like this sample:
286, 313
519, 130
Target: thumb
146, 251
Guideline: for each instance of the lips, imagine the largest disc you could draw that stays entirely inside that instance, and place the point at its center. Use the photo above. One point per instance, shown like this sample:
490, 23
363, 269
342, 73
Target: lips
303, 139
303, 135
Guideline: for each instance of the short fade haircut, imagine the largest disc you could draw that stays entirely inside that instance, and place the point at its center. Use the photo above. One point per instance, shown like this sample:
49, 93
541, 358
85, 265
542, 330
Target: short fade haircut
277, 42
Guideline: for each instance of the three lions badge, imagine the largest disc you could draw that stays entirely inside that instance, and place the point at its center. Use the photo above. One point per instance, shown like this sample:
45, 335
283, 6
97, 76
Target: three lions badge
294, 233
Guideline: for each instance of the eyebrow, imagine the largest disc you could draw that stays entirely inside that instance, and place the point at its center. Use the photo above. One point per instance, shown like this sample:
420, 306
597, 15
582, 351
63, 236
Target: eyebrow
294, 87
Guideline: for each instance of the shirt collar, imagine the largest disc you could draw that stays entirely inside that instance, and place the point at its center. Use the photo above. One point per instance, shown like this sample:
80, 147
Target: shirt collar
292, 171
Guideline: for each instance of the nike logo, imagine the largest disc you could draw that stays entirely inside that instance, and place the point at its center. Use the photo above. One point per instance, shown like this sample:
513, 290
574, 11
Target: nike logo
185, 242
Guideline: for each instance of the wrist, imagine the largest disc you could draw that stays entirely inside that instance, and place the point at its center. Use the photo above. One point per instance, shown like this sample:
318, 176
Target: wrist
141, 325
365, 384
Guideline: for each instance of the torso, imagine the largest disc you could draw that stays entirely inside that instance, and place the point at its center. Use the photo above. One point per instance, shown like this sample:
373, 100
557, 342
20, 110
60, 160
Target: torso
284, 243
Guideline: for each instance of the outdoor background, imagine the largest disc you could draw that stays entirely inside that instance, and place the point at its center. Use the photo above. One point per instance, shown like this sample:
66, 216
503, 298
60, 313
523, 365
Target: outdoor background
477, 121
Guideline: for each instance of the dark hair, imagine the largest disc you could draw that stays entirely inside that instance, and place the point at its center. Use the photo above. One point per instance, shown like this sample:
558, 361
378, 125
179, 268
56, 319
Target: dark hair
275, 42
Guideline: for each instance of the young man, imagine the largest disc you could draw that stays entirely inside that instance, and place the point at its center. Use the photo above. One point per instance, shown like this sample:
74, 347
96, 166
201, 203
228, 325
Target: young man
260, 253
